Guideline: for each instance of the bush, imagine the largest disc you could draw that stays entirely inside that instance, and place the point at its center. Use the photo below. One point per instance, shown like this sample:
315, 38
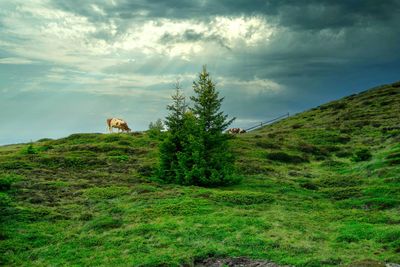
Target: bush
74, 162
309, 185
312, 149
346, 130
297, 126
341, 139
344, 154
146, 170
7, 180
5, 200
286, 158
362, 155
337, 105
29, 150
381, 203
385, 103
330, 148
124, 143
45, 148
360, 123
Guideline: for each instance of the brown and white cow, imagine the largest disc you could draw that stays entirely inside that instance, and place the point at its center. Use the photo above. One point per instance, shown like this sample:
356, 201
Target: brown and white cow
236, 131
120, 124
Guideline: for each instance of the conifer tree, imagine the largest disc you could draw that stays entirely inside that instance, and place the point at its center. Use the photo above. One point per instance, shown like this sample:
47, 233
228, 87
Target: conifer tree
172, 144
156, 128
174, 121
195, 151
207, 105
216, 159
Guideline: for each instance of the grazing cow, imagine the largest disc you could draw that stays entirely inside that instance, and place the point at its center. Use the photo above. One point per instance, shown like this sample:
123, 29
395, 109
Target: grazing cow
236, 131
119, 124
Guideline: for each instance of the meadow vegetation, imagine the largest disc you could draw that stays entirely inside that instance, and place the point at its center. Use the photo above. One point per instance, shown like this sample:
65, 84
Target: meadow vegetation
321, 188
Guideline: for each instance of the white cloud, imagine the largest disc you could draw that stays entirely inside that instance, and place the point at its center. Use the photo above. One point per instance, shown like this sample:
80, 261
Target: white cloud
250, 88
237, 32
134, 85
249, 31
35, 30
15, 60
98, 9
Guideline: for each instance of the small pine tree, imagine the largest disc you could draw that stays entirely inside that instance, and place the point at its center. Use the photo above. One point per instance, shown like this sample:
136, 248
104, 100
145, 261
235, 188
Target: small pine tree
30, 149
155, 128
159, 125
172, 144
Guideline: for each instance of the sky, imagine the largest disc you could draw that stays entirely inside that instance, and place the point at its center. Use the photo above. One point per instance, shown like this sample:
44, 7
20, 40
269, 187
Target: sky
66, 66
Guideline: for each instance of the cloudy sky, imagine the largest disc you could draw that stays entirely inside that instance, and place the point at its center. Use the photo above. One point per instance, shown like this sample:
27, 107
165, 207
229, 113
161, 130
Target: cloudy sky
65, 66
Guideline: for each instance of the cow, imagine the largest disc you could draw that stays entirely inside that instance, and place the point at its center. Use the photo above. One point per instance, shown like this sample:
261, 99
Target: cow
236, 131
120, 124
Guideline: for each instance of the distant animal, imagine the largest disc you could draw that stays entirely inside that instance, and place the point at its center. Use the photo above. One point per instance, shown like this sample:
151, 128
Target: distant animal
120, 124
236, 131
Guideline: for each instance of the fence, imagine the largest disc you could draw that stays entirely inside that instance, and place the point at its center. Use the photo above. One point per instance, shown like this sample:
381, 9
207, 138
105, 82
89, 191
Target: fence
267, 122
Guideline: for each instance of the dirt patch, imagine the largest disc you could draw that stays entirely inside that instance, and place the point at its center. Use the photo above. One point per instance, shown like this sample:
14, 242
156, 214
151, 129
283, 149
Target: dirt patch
236, 262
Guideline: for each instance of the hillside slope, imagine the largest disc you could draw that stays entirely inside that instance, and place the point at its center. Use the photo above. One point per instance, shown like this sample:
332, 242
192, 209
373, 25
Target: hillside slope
321, 188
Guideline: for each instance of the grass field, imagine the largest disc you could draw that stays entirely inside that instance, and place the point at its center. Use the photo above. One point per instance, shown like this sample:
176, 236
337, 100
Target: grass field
321, 188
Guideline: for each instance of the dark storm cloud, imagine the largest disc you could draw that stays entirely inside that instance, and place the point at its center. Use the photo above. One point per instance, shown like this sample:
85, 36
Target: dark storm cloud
190, 36
187, 36
312, 14
315, 15
319, 32
314, 36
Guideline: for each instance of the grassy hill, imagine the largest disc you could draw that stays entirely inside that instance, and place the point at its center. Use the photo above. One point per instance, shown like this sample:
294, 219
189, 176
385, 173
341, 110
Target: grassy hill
321, 188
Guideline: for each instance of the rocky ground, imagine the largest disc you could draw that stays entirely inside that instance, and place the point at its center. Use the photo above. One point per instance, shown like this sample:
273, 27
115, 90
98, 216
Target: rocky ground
236, 262
245, 262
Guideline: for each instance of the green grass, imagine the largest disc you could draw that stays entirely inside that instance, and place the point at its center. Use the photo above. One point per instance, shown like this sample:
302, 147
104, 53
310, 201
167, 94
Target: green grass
321, 188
